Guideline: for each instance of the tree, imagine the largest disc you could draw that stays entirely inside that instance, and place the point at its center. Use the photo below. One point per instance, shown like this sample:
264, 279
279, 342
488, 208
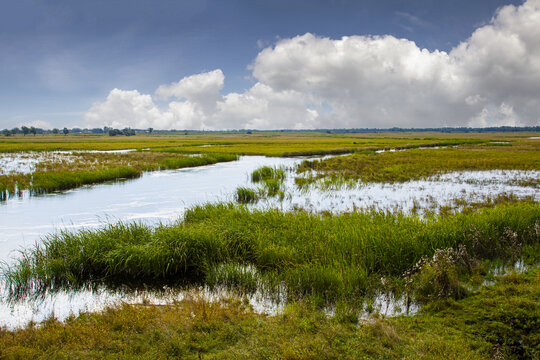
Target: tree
55, 131
25, 130
150, 130
33, 130
15, 130
128, 132
65, 131
6, 132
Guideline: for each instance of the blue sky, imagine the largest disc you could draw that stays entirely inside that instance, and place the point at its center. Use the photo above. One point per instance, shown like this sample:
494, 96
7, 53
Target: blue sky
61, 58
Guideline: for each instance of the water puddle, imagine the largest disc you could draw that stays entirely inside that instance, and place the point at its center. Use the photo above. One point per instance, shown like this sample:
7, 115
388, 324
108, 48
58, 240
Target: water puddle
386, 304
62, 304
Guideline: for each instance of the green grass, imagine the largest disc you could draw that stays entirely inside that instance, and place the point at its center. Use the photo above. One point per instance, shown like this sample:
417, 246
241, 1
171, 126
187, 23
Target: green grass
246, 195
475, 153
416, 164
267, 173
272, 180
192, 161
331, 257
92, 168
497, 322
44, 182
269, 144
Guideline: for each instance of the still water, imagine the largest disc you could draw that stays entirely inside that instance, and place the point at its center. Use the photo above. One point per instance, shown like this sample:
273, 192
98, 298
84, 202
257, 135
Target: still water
156, 197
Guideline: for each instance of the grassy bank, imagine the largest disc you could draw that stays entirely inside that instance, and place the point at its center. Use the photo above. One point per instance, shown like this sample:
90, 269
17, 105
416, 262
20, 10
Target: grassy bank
329, 258
90, 168
44, 182
497, 322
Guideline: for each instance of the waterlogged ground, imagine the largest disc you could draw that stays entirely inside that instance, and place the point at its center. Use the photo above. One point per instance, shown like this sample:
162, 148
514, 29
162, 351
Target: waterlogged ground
449, 189
63, 303
162, 197
25, 162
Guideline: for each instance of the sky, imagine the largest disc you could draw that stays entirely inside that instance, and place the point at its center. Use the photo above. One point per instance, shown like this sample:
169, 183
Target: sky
251, 64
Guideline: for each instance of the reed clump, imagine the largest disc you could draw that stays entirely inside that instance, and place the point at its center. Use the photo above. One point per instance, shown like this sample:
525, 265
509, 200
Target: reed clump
246, 195
331, 256
266, 173
272, 179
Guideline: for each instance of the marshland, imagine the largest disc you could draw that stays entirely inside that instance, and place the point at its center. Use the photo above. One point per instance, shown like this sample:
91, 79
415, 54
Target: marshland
288, 245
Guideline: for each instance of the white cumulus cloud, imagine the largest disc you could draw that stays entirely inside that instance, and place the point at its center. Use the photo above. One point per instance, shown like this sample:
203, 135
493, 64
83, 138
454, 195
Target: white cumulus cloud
309, 81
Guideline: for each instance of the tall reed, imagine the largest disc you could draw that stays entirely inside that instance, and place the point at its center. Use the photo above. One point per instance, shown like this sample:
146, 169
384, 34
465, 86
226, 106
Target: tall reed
332, 256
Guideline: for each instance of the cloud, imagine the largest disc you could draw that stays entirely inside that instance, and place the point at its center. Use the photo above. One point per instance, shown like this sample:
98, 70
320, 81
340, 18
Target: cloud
200, 106
308, 81
201, 89
40, 124
126, 108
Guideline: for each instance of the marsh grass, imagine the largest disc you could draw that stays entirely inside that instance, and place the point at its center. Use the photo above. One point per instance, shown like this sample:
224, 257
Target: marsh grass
246, 195
496, 322
44, 182
165, 152
269, 144
417, 164
192, 161
266, 173
332, 257
272, 180
92, 168
233, 276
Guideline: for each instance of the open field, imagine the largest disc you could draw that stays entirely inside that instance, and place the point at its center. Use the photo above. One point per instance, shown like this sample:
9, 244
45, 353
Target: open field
270, 144
474, 152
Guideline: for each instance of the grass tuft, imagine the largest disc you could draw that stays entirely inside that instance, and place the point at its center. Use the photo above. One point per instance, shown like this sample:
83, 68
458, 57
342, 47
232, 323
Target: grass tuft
331, 257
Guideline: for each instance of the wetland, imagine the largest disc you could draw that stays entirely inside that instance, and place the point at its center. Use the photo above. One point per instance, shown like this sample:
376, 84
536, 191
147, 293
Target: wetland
376, 237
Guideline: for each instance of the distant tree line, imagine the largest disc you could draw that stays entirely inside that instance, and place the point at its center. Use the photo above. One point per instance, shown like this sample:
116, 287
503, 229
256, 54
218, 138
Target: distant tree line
24, 130
360, 130
126, 132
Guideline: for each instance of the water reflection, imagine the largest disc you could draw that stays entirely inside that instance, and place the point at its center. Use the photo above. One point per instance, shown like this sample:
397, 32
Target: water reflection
62, 303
